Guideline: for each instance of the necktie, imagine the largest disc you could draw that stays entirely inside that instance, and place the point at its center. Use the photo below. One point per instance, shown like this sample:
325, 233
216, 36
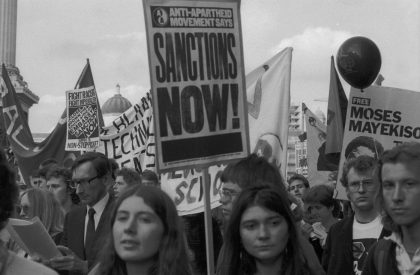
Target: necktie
90, 232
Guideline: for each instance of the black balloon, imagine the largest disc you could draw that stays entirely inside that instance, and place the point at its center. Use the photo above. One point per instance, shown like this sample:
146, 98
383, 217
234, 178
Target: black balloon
359, 61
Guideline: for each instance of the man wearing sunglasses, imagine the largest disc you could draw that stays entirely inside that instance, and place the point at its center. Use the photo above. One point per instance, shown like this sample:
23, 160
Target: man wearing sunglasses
349, 240
85, 227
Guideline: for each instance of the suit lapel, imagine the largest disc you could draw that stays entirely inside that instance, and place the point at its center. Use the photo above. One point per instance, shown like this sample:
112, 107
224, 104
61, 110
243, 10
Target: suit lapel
101, 233
104, 220
79, 232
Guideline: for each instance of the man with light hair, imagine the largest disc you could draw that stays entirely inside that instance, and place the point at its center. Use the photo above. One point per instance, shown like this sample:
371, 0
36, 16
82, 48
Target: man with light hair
399, 195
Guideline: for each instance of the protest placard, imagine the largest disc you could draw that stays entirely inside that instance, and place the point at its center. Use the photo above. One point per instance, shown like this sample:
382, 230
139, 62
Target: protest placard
378, 119
130, 138
198, 84
186, 189
82, 120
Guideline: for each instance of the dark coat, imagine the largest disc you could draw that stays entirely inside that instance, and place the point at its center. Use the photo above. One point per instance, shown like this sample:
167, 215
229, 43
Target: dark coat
337, 258
387, 261
73, 234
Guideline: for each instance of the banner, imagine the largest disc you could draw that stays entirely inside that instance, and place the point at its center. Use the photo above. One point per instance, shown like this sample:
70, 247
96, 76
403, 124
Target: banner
185, 188
28, 153
336, 117
320, 168
130, 138
268, 93
378, 119
82, 119
198, 82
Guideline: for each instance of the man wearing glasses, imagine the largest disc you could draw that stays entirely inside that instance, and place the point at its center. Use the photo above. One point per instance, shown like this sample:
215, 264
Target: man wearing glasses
349, 240
85, 227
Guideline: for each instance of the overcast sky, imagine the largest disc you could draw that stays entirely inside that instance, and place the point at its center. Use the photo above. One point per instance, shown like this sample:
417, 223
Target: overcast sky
54, 38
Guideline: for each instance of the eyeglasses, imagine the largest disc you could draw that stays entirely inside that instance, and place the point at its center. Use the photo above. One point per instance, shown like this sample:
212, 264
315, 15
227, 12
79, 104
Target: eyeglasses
297, 186
228, 194
75, 183
367, 184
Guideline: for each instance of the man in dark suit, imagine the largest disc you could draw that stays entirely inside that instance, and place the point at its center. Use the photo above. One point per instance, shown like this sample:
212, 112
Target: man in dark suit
349, 240
86, 227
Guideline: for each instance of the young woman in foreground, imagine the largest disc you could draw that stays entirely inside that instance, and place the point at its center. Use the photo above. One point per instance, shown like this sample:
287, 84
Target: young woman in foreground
261, 237
146, 236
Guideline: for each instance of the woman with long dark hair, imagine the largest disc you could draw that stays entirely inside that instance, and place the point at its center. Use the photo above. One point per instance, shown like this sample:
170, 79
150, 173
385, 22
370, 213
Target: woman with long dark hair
261, 236
146, 237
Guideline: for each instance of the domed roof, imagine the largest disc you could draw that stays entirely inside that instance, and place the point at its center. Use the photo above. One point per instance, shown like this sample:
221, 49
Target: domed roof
116, 104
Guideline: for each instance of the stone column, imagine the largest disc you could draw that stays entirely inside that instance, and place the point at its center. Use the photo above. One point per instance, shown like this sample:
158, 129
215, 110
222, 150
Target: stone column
8, 19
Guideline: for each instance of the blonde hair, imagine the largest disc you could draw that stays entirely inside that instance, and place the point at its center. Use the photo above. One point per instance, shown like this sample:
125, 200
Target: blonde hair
44, 205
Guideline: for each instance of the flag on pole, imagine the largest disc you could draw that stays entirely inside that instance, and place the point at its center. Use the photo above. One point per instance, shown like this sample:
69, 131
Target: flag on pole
17, 128
321, 170
268, 94
336, 117
30, 154
86, 80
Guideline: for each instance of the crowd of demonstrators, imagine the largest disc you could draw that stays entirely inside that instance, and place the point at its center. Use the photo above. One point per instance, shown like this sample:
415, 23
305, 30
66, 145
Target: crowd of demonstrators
267, 228
124, 178
10, 263
146, 236
398, 174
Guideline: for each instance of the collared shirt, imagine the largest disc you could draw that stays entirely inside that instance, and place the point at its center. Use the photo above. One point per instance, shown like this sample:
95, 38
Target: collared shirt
405, 265
99, 209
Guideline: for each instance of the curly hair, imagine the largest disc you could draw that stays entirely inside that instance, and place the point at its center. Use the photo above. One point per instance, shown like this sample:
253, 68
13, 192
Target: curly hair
172, 256
64, 173
9, 191
361, 164
302, 178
